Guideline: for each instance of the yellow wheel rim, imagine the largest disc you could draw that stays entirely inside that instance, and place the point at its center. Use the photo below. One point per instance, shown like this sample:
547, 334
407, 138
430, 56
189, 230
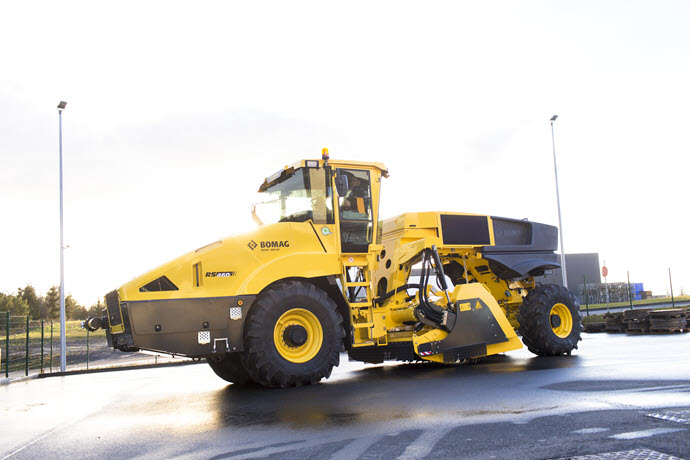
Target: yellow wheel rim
562, 326
290, 321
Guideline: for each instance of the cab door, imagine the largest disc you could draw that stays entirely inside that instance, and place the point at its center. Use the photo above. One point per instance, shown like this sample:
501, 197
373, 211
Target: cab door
355, 210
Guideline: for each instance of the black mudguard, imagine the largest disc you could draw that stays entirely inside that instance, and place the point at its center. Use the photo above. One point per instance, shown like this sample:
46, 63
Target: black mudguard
522, 248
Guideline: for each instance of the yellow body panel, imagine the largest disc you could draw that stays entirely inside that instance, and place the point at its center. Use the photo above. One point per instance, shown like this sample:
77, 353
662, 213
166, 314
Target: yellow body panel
248, 263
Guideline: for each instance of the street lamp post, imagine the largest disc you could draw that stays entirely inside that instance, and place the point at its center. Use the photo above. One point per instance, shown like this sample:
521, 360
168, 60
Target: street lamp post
558, 201
63, 342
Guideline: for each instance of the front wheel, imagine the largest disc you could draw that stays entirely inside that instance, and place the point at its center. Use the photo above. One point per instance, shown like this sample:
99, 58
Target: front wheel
550, 321
293, 336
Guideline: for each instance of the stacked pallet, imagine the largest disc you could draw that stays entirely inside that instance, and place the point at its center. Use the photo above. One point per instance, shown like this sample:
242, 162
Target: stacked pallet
614, 322
595, 327
637, 321
667, 321
644, 321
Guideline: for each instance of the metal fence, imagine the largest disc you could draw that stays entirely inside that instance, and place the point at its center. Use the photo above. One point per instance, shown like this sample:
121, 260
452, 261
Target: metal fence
34, 346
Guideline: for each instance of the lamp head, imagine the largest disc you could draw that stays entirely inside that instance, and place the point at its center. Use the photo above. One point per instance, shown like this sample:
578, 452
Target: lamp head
553, 118
62, 105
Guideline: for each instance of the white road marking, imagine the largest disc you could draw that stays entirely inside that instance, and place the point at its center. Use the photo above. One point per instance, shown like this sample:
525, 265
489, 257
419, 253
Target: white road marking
637, 454
272, 450
591, 430
673, 416
424, 444
646, 433
356, 448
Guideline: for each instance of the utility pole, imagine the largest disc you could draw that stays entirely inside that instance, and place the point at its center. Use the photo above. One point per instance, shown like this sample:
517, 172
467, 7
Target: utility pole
558, 202
605, 272
63, 341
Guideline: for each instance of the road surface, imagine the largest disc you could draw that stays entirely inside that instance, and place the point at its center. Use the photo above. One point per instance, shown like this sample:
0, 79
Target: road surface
617, 393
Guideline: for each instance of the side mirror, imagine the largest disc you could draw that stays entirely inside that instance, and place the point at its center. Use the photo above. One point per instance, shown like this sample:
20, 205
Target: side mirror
341, 184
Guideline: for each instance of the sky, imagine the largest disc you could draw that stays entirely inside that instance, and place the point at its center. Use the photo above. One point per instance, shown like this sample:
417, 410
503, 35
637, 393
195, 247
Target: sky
177, 111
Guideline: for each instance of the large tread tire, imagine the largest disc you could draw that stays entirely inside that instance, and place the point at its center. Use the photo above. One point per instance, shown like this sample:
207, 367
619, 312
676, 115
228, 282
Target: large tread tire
538, 331
262, 359
229, 367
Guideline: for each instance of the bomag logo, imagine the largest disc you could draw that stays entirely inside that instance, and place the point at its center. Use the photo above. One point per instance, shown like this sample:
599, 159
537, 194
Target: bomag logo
268, 245
274, 244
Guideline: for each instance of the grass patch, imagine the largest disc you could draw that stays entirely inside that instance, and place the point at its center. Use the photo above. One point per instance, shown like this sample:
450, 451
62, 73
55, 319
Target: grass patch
73, 331
593, 319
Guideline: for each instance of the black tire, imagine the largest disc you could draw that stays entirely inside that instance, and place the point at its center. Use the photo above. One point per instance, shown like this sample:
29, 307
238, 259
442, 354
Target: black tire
543, 334
229, 367
266, 361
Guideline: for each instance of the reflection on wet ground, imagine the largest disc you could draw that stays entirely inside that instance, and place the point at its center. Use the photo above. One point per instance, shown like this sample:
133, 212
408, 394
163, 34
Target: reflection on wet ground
385, 393
379, 393
621, 385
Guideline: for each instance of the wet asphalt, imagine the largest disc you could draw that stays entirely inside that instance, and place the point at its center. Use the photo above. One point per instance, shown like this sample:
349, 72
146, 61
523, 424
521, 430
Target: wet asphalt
617, 393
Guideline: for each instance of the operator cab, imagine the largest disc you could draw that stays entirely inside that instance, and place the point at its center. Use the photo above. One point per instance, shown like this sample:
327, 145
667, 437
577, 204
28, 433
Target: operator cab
306, 192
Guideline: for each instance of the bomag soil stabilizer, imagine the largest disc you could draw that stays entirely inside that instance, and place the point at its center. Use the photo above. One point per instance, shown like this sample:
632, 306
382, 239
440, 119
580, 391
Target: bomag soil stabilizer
321, 275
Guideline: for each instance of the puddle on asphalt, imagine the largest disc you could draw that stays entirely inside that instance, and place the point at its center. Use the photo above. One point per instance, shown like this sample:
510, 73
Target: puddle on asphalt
619, 385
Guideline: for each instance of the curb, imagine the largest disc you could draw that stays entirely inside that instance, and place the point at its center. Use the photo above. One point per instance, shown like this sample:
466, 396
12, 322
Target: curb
98, 370
5, 381
115, 368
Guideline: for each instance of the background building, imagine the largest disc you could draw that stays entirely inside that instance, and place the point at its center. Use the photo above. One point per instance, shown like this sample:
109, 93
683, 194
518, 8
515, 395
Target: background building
581, 268
585, 268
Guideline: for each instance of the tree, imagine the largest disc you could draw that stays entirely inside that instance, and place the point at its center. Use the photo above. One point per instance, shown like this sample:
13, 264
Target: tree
16, 305
36, 310
96, 309
73, 310
52, 303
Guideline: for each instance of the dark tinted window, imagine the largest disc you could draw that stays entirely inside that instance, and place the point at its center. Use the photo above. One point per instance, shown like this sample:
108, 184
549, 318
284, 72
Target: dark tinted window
160, 284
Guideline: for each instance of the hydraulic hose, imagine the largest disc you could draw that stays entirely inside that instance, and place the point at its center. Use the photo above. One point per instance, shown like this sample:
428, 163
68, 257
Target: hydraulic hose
440, 276
390, 294
426, 308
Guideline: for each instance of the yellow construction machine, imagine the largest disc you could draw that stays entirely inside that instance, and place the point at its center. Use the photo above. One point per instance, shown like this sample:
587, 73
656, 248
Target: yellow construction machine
322, 275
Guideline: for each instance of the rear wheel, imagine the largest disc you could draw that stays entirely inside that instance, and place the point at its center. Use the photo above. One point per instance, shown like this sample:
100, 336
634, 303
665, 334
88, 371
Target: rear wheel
229, 367
293, 336
550, 321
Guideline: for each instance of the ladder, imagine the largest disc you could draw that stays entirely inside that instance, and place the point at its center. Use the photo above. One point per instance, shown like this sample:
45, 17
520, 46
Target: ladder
367, 327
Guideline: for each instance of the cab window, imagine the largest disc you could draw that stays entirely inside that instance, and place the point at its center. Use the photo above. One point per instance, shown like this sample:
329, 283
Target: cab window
299, 196
356, 224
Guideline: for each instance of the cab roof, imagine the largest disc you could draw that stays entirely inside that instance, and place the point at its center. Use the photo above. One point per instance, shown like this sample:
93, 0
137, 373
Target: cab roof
332, 163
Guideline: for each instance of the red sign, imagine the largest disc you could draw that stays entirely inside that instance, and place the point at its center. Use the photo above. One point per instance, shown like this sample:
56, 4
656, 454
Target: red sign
604, 271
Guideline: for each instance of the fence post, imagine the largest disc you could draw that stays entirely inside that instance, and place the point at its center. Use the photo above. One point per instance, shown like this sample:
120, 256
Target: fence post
584, 278
42, 342
51, 346
673, 302
27, 346
7, 345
